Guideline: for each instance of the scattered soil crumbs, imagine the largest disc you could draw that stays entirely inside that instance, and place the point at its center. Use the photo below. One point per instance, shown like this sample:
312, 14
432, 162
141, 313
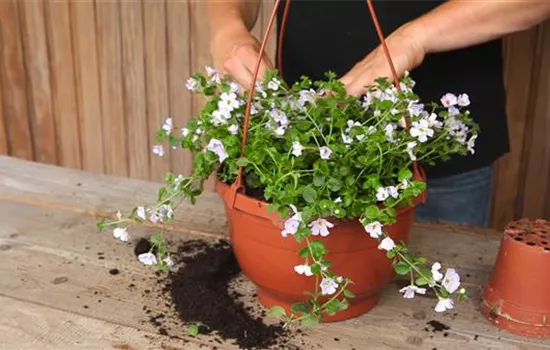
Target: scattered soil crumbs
438, 326
114, 271
200, 293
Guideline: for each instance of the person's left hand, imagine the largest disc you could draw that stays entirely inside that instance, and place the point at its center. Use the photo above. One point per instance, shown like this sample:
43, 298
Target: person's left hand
406, 52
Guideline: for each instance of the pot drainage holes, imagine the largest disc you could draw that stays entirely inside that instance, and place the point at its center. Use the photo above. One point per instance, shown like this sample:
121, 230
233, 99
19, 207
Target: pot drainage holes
533, 233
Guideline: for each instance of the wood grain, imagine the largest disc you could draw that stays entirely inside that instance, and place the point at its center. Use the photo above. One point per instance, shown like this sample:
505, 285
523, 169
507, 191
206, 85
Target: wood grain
112, 102
154, 12
135, 105
4, 145
35, 47
50, 266
65, 111
179, 69
14, 82
87, 85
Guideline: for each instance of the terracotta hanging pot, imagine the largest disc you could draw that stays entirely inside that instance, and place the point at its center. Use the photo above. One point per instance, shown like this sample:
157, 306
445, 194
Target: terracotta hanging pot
268, 259
517, 296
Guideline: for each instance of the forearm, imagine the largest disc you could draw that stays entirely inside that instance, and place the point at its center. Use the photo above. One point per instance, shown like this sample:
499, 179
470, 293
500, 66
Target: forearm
232, 14
457, 24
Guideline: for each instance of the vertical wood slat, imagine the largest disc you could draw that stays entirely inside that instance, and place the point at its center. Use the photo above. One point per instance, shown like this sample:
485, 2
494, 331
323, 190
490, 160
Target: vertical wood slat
87, 84
154, 12
135, 108
14, 83
4, 146
179, 64
35, 48
62, 77
519, 55
536, 172
110, 73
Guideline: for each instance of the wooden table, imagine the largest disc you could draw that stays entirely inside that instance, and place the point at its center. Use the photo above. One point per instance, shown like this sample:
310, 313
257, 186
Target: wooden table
57, 293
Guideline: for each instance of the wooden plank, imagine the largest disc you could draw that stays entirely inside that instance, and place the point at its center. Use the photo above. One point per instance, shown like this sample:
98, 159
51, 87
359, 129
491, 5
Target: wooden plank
4, 146
135, 108
35, 47
154, 12
61, 246
536, 171
179, 68
14, 82
112, 102
62, 76
518, 61
87, 84
25, 325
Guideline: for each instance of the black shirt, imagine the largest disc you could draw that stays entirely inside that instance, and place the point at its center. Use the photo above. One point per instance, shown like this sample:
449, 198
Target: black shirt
328, 35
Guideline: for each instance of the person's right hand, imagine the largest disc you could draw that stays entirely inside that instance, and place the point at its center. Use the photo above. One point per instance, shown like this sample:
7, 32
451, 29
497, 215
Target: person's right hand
235, 51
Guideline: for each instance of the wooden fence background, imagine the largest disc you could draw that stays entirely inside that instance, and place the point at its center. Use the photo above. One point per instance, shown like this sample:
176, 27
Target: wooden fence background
85, 84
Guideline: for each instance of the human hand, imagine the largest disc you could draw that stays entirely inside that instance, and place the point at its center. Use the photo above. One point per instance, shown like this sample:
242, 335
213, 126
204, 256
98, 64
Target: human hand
235, 51
406, 51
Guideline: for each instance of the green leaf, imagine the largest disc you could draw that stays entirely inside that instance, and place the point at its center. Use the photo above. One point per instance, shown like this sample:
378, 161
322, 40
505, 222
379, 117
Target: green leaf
243, 161
304, 252
318, 249
344, 170
372, 212
334, 184
318, 180
315, 269
193, 330
277, 311
421, 281
100, 224
401, 268
348, 293
309, 320
300, 307
404, 174
310, 195
156, 239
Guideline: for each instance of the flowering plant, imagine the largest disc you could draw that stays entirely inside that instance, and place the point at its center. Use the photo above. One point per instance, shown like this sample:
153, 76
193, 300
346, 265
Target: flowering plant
314, 153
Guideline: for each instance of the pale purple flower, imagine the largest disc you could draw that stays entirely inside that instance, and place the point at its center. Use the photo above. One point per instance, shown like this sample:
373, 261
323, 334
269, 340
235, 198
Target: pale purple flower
433, 122
328, 286
325, 152
416, 108
453, 111
168, 125
382, 194
346, 138
147, 258
169, 262
387, 244
192, 84
303, 270
158, 150
409, 291
291, 227
233, 129
228, 101
216, 146
444, 304
463, 100
392, 191
374, 229
220, 116
274, 84
184, 132
297, 148
449, 100
320, 227
141, 213
451, 281
436, 275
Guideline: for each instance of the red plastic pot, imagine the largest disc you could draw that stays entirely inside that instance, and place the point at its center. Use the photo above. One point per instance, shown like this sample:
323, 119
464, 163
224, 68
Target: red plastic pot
517, 296
268, 259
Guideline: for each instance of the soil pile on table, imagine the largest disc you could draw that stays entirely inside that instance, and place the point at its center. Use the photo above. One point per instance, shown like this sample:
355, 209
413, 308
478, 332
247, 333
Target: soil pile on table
200, 293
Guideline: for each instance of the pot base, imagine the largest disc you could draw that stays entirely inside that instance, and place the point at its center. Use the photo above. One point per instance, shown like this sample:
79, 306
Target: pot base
356, 308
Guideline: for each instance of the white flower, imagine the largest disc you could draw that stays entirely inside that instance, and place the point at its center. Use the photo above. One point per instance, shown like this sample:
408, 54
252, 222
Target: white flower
374, 229
471, 143
409, 291
192, 84
433, 122
168, 125
147, 258
228, 101
328, 286
303, 270
158, 150
325, 152
233, 129
338, 200
220, 116
436, 275
453, 111
320, 227
279, 116
234, 87
387, 244
213, 75
121, 233
389, 132
449, 100
274, 84
451, 281
382, 194
297, 148
184, 132
217, 147
410, 149
392, 191
444, 304
307, 96
141, 213
463, 100
347, 140
297, 215
421, 129
416, 108
169, 262
403, 122
291, 227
